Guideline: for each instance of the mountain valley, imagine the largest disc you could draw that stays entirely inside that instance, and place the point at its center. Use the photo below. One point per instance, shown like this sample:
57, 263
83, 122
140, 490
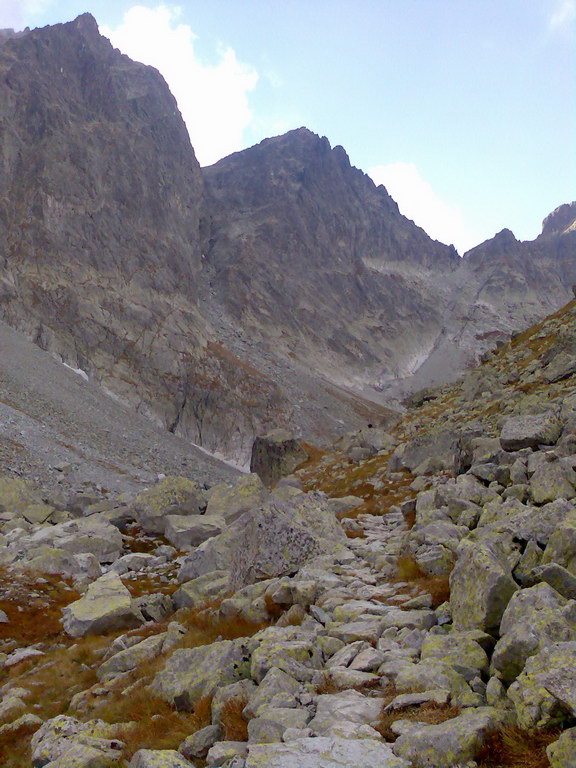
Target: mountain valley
284, 482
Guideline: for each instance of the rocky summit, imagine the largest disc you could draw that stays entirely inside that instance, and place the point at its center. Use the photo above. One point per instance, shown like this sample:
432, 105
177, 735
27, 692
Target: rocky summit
283, 481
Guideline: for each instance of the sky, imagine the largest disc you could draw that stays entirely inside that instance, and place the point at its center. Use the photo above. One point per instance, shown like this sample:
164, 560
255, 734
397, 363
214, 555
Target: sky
464, 109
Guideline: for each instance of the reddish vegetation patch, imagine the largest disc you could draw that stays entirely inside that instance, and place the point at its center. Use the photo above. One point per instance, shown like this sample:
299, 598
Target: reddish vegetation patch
33, 603
514, 748
430, 714
234, 723
438, 587
338, 476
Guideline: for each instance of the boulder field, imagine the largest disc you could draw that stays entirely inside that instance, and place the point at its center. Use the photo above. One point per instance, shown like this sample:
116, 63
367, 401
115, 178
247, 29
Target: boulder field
403, 599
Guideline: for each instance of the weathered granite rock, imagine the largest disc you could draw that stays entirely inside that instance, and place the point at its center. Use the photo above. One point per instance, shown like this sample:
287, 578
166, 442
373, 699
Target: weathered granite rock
530, 431
348, 706
191, 673
106, 605
562, 753
132, 657
454, 742
558, 578
561, 547
231, 500
171, 496
224, 753
545, 692
209, 586
458, 649
435, 675
158, 758
285, 655
273, 722
240, 691
324, 752
272, 540
535, 618
481, 585
551, 481
188, 531
274, 682
65, 741
275, 455
198, 744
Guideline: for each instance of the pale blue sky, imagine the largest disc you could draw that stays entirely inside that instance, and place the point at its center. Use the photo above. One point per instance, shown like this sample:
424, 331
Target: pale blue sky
465, 109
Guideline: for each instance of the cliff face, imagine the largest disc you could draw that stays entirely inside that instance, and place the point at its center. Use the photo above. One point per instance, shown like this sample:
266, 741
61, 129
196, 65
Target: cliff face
279, 287
305, 248
99, 204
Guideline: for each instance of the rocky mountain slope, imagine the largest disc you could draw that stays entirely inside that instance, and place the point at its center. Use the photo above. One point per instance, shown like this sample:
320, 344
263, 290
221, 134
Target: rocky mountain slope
63, 434
278, 287
406, 599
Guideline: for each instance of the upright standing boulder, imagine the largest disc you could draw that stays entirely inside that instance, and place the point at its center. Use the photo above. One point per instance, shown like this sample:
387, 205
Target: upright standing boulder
275, 455
481, 585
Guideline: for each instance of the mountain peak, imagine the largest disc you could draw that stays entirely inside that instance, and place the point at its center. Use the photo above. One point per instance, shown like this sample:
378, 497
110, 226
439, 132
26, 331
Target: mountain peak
561, 220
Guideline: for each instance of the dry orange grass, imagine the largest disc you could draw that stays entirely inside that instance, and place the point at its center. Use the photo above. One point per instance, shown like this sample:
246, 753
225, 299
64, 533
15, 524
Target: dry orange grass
15, 747
407, 569
359, 534
431, 714
206, 625
233, 721
513, 748
275, 610
328, 686
151, 723
42, 596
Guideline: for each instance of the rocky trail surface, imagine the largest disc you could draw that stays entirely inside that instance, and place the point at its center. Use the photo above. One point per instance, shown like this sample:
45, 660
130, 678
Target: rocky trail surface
406, 599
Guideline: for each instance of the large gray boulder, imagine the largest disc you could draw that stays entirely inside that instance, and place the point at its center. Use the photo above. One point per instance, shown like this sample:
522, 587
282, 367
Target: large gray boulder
274, 539
324, 752
347, 707
481, 585
107, 605
545, 692
561, 547
158, 758
439, 444
189, 531
276, 455
530, 431
171, 496
453, 742
191, 673
552, 480
562, 753
231, 500
65, 741
535, 618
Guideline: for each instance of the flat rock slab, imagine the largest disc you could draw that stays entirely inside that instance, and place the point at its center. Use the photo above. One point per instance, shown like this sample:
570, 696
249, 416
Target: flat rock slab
530, 431
107, 605
158, 758
324, 752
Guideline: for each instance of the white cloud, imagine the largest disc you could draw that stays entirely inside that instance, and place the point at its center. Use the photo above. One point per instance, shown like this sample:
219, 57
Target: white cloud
564, 14
16, 14
418, 201
213, 98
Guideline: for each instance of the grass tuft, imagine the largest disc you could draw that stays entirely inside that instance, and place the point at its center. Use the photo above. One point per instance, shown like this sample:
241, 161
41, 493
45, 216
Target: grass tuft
407, 569
513, 748
233, 721
429, 713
